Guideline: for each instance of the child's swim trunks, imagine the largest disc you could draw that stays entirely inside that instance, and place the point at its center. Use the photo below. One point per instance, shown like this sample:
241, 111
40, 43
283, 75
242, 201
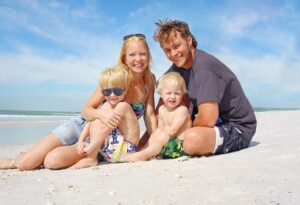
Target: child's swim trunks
173, 149
115, 147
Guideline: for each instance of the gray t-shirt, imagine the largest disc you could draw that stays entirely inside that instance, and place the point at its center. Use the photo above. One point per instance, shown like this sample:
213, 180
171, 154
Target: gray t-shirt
210, 80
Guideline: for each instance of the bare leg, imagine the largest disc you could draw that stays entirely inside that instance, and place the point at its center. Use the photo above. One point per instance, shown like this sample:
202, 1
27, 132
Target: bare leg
89, 161
199, 141
98, 133
62, 157
156, 142
33, 158
6, 163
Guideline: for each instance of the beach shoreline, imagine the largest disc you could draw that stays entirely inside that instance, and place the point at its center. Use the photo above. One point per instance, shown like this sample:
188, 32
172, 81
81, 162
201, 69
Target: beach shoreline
265, 173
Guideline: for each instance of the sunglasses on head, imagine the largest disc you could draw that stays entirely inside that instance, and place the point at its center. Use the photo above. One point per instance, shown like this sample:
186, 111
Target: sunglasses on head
109, 91
132, 35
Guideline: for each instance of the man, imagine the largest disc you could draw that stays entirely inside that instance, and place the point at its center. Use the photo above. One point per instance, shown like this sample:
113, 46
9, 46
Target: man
214, 93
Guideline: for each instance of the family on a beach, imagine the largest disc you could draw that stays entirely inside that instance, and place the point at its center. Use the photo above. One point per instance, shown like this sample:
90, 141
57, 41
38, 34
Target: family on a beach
202, 109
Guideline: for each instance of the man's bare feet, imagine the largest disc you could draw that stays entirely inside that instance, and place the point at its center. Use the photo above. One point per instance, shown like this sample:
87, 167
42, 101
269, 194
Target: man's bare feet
84, 163
6, 163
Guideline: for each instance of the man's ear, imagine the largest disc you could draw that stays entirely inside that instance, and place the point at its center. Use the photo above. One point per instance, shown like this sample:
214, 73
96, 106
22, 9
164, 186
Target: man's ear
190, 40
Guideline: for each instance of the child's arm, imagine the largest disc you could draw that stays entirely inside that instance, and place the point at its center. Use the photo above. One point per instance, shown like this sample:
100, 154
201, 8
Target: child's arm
84, 134
179, 120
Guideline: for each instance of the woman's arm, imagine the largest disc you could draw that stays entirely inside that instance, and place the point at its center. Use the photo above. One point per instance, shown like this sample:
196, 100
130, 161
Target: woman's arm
149, 117
91, 112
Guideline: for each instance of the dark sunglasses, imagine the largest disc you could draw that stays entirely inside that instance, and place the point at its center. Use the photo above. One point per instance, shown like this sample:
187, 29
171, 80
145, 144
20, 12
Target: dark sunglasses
132, 35
108, 91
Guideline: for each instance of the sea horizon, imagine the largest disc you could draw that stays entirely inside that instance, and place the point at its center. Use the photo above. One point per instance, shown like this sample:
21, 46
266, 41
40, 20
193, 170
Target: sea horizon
29, 126
70, 113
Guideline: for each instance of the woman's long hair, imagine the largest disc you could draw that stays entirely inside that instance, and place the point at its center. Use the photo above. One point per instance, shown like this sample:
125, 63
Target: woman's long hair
148, 77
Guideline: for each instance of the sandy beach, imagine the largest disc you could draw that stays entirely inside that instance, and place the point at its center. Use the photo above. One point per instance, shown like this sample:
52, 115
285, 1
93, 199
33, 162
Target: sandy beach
265, 173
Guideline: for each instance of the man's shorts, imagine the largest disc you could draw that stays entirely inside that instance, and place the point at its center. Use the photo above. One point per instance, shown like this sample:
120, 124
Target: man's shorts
116, 147
233, 138
173, 149
69, 131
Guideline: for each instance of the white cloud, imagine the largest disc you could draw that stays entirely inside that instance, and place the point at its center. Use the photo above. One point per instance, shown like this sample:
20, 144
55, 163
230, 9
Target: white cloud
238, 24
278, 73
29, 67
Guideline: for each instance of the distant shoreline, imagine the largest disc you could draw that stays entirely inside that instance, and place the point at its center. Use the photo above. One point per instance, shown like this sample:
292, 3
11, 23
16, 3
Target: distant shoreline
68, 113
266, 109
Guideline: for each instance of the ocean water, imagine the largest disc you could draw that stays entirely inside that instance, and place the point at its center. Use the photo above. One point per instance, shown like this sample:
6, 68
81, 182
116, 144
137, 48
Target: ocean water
24, 127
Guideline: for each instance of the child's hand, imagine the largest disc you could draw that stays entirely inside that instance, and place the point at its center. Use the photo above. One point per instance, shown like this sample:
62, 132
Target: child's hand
87, 150
80, 148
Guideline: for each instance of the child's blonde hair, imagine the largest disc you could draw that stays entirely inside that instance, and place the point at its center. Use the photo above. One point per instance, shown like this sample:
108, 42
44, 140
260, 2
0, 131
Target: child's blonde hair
114, 77
171, 78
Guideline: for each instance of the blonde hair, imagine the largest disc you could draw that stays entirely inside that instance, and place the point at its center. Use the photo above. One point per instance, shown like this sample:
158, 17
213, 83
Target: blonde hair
171, 78
166, 31
148, 77
113, 77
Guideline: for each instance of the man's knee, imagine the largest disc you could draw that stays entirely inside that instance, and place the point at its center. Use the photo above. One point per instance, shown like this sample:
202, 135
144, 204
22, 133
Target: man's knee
197, 143
191, 143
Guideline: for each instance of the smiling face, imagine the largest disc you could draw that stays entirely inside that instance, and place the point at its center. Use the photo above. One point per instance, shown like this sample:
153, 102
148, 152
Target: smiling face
171, 88
171, 96
136, 57
114, 83
179, 50
114, 99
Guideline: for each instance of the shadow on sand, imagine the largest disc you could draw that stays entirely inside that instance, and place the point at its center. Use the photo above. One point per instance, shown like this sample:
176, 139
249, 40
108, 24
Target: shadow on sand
253, 144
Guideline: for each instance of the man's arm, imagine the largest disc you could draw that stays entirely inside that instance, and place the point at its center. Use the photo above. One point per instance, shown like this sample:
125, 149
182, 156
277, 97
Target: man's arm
207, 116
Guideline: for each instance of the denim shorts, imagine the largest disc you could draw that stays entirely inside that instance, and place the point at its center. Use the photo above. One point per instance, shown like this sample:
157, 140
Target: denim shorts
69, 131
233, 138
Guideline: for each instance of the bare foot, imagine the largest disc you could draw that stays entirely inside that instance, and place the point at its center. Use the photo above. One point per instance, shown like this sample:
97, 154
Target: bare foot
6, 163
134, 157
84, 163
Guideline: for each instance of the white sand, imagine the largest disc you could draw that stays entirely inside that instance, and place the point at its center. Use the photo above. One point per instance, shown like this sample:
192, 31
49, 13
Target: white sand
266, 173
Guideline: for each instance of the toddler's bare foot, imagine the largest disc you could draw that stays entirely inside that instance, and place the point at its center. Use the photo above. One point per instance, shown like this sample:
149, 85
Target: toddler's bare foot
6, 163
84, 163
134, 157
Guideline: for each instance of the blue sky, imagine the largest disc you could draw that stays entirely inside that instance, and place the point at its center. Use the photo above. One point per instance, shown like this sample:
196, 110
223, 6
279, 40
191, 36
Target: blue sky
52, 51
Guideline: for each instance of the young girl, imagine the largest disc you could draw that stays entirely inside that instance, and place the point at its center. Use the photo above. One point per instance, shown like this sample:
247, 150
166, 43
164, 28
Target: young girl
114, 84
173, 120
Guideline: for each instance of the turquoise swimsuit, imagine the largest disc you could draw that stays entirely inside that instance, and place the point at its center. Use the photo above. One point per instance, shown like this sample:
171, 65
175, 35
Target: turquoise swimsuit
138, 108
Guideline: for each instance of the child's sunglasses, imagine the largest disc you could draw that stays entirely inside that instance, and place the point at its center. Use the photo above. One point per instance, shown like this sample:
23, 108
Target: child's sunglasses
132, 35
108, 91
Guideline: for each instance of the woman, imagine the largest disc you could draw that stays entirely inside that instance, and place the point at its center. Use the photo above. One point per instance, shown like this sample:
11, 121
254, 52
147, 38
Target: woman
58, 149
